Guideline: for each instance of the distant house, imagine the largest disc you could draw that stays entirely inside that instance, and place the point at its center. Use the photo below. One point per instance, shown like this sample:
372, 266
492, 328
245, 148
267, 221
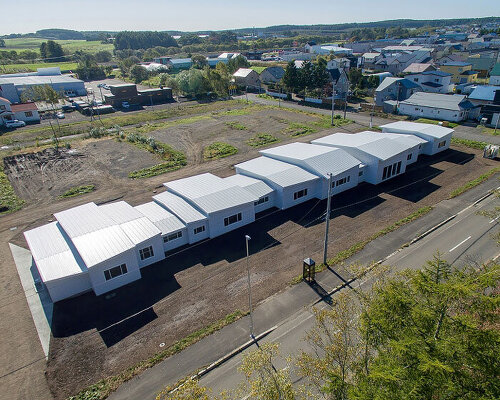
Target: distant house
368, 60
180, 63
128, 93
457, 69
483, 65
450, 58
247, 77
483, 95
341, 82
432, 81
272, 74
27, 112
229, 56
395, 89
342, 62
416, 68
495, 75
445, 107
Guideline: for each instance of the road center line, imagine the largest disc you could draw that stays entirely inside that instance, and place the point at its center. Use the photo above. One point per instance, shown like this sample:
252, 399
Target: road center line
493, 220
462, 242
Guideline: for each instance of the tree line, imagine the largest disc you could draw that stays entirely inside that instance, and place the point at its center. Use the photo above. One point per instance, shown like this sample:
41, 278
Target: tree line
143, 40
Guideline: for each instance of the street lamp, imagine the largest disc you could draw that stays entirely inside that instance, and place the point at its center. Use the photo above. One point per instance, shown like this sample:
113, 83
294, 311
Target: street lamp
247, 238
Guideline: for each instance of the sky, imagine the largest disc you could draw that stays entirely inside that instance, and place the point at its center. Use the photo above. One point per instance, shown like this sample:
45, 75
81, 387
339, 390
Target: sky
196, 15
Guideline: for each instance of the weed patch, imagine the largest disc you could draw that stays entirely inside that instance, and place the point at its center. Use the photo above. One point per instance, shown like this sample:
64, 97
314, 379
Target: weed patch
262, 139
78, 190
219, 150
469, 185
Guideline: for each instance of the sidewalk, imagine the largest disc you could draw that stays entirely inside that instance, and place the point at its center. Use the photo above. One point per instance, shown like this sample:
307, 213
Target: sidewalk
278, 308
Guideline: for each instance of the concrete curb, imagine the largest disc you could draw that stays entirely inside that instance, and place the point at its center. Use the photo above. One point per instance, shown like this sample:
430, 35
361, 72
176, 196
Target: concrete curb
429, 231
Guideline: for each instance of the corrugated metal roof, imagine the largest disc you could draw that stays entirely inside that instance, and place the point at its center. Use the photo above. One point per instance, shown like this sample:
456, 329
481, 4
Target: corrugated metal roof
409, 140
384, 149
255, 186
345, 139
479, 93
243, 72
39, 80
180, 207
120, 212
436, 100
164, 220
210, 193
52, 253
322, 160
95, 235
432, 130
281, 173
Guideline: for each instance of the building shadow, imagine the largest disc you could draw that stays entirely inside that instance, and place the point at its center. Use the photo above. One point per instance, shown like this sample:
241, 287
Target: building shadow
321, 292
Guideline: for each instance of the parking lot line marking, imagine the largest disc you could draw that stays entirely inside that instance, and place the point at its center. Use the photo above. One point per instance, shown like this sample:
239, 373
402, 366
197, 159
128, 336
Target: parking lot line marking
462, 242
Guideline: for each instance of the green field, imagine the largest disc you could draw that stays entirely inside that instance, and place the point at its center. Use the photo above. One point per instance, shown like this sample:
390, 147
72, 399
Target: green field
11, 68
69, 46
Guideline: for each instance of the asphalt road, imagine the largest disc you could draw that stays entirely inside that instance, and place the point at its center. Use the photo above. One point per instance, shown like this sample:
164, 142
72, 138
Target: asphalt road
468, 238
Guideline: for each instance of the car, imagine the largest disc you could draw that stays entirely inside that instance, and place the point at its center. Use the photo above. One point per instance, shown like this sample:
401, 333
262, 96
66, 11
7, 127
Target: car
106, 87
14, 123
125, 104
101, 85
67, 108
60, 115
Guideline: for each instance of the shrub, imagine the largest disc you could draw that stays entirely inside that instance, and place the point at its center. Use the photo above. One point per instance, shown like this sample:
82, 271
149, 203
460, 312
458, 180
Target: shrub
218, 150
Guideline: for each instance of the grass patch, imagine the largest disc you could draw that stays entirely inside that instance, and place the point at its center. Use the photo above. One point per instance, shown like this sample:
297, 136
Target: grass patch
236, 125
150, 127
78, 190
267, 97
9, 202
258, 69
218, 150
155, 170
471, 184
71, 46
434, 122
296, 129
356, 248
490, 131
106, 386
473, 144
262, 139
13, 68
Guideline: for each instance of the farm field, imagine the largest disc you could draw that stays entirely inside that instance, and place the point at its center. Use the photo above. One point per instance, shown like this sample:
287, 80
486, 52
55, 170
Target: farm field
11, 68
82, 351
69, 46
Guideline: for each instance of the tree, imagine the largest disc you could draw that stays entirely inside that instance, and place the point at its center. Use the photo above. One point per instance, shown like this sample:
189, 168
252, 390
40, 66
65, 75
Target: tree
103, 56
51, 51
47, 94
143, 40
2, 43
191, 82
138, 73
29, 55
87, 67
291, 77
217, 80
236, 63
199, 60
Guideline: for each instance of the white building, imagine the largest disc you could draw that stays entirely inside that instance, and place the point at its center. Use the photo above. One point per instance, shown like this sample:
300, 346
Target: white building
27, 112
432, 81
264, 192
173, 230
414, 143
196, 223
293, 185
382, 158
320, 161
227, 206
438, 137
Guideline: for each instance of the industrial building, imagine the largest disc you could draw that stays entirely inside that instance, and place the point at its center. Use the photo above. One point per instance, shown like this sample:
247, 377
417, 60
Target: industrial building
128, 92
320, 161
382, 158
101, 248
293, 185
438, 138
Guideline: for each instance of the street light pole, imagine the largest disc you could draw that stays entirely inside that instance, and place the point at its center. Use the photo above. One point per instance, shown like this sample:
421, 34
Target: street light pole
371, 114
247, 238
327, 217
333, 98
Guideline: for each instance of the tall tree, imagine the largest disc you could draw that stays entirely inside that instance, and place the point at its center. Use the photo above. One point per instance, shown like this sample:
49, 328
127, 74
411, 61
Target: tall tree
291, 77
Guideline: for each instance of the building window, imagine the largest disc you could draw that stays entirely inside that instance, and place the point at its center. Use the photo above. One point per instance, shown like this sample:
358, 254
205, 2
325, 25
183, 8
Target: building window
391, 170
146, 253
299, 194
409, 157
419, 146
2, 107
442, 144
360, 173
232, 219
264, 199
199, 229
28, 114
341, 181
172, 236
114, 272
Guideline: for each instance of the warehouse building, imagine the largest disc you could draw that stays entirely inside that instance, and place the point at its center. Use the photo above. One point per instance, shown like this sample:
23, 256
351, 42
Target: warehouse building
438, 138
264, 192
227, 206
196, 223
415, 144
382, 158
292, 185
173, 230
320, 161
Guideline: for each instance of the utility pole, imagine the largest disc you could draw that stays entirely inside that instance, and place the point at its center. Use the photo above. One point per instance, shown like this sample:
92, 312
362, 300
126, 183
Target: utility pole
333, 98
247, 239
327, 217
496, 125
279, 97
246, 93
371, 114
345, 101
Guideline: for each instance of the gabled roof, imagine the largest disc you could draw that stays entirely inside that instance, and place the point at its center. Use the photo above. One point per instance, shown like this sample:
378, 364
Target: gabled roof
23, 107
418, 67
53, 253
320, 159
281, 173
180, 207
243, 72
254, 186
164, 220
277, 72
483, 64
400, 81
496, 70
456, 64
431, 84
436, 100
432, 130
209, 193
484, 93
436, 73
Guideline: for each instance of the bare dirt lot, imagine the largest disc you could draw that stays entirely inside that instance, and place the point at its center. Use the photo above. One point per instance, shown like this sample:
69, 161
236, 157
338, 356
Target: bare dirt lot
202, 283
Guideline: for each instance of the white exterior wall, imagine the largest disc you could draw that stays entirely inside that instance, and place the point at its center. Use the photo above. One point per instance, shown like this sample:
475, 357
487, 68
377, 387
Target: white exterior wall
21, 116
61, 289
278, 190
158, 252
268, 204
435, 144
414, 151
216, 220
393, 160
99, 282
432, 113
172, 244
192, 238
353, 175
313, 190
431, 147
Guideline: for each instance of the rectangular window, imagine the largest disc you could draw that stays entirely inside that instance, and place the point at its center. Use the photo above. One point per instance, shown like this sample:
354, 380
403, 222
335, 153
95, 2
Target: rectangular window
409, 157
384, 176
299, 194
399, 168
114, 272
232, 219
264, 199
146, 252
172, 236
442, 144
341, 181
199, 229
28, 114
2, 107
360, 173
